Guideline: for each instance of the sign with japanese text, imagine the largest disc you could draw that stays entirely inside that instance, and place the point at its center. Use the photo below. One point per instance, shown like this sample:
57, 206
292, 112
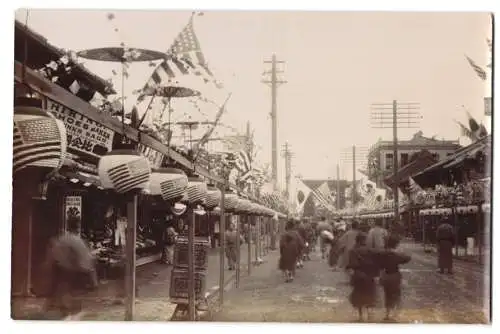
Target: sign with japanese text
155, 158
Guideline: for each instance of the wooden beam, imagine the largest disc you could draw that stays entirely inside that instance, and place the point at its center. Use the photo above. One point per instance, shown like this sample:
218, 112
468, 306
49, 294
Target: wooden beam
61, 95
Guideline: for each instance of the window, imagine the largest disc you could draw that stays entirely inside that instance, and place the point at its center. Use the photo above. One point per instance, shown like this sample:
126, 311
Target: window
389, 161
404, 159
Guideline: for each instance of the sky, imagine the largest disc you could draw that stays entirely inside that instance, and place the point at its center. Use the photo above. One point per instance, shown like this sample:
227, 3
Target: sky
336, 65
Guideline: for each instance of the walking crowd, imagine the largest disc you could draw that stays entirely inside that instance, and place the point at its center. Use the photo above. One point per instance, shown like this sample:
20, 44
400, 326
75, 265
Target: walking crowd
364, 257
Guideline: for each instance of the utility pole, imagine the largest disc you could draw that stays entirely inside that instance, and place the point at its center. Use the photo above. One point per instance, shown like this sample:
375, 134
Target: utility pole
352, 156
394, 116
274, 83
338, 187
287, 154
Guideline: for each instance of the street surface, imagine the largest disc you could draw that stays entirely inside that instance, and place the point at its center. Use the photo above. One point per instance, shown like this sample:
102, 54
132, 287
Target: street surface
319, 294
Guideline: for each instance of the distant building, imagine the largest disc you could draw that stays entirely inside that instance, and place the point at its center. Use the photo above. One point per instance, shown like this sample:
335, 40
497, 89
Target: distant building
381, 155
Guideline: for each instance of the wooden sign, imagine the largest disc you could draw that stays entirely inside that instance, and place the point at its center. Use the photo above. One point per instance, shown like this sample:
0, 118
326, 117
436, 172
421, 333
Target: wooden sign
155, 158
83, 134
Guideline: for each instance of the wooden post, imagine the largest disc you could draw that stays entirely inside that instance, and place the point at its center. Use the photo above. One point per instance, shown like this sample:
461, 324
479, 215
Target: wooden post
238, 248
191, 277
249, 239
130, 240
479, 216
30, 248
222, 244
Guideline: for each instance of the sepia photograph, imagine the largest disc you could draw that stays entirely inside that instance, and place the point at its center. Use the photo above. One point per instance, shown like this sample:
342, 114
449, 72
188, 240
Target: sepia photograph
252, 166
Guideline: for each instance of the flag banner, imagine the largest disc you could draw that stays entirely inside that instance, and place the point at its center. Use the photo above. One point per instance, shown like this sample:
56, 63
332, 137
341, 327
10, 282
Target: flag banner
481, 73
299, 194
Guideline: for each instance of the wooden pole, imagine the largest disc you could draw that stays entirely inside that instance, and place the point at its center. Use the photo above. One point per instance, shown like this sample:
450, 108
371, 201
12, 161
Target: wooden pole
249, 238
479, 216
130, 240
222, 244
191, 277
238, 253
30, 247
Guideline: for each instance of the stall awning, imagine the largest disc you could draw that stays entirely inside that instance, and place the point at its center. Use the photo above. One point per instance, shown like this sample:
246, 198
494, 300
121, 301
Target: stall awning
484, 144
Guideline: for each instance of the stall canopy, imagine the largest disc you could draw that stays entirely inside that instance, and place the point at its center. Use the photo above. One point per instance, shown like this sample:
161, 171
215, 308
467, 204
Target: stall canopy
425, 177
420, 162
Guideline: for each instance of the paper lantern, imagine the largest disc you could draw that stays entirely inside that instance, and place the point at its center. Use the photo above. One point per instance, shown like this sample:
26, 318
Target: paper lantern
243, 206
124, 171
39, 139
214, 196
178, 209
230, 202
486, 207
216, 210
169, 183
196, 190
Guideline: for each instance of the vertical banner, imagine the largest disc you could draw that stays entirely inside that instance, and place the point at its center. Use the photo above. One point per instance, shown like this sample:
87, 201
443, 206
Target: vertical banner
73, 211
487, 106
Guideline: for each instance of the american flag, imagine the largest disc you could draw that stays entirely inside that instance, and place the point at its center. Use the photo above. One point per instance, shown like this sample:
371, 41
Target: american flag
37, 142
128, 176
182, 59
478, 69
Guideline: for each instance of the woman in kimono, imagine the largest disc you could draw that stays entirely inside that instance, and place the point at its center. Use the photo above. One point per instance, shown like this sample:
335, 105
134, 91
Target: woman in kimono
363, 267
445, 238
289, 251
391, 277
231, 241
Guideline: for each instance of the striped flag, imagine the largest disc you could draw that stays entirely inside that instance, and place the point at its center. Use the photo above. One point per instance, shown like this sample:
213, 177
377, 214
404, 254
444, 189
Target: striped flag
182, 59
478, 69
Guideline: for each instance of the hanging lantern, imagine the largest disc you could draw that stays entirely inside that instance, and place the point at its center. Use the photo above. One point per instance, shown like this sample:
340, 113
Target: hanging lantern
230, 202
178, 209
124, 171
213, 197
169, 183
216, 210
243, 206
196, 190
39, 139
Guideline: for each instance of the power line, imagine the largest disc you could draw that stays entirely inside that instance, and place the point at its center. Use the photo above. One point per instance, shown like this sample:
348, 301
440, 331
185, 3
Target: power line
395, 115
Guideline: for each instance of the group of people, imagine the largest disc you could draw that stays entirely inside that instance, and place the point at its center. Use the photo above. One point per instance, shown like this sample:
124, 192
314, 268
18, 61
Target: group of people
364, 257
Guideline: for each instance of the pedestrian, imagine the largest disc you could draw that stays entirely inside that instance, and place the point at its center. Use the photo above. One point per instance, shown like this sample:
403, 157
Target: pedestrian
323, 225
346, 243
363, 268
445, 238
71, 271
301, 229
377, 236
391, 277
309, 240
168, 251
289, 251
231, 241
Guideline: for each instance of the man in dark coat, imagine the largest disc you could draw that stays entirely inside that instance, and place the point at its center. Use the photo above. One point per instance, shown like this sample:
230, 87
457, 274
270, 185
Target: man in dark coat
71, 270
445, 238
291, 246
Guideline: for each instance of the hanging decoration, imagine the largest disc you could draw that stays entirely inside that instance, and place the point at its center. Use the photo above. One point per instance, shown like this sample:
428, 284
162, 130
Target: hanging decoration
169, 183
39, 139
124, 171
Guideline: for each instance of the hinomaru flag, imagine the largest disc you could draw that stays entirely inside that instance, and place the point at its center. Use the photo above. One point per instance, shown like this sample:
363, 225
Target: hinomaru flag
299, 194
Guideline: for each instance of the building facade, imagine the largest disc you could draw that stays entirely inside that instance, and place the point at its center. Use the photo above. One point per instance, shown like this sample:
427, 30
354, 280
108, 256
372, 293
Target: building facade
381, 155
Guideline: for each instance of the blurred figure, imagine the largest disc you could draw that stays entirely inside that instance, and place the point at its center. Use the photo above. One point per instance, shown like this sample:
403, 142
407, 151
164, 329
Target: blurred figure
445, 238
231, 241
377, 236
290, 248
363, 268
168, 251
391, 277
346, 243
71, 269
323, 225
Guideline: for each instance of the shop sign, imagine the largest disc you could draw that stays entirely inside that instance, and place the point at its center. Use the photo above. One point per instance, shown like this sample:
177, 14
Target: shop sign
83, 134
73, 209
155, 158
